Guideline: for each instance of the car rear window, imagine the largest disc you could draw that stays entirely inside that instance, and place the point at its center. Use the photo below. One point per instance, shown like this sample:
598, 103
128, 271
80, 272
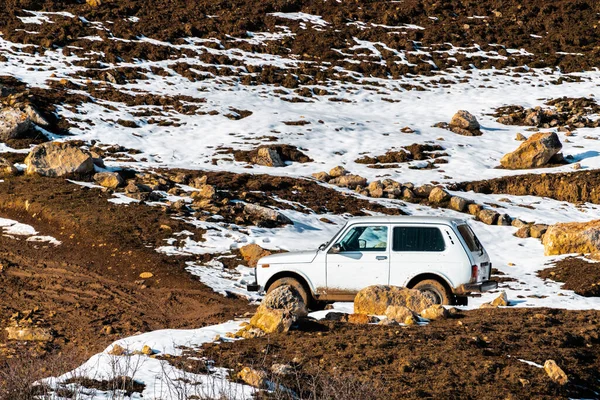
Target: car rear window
469, 236
413, 238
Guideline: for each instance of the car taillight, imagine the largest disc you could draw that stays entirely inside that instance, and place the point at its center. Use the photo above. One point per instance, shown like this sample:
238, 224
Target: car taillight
474, 273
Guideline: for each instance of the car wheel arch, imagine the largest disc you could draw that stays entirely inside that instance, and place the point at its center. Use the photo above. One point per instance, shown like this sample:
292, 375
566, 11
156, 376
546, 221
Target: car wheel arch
289, 274
429, 275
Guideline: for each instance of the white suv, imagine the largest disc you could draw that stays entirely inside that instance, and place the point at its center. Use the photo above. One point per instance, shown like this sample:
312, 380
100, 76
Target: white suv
442, 257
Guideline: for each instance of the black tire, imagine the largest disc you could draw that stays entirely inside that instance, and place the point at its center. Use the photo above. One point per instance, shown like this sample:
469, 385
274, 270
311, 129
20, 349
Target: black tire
298, 287
435, 290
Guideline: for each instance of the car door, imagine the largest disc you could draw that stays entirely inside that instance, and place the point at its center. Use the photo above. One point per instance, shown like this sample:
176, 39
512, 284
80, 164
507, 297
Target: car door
418, 249
361, 259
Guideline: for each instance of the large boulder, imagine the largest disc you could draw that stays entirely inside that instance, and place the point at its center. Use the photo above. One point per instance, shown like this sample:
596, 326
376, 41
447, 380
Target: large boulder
279, 310
439, 195
13, 123
375, 300
535, 152
464, 123
252, 253
58, 159
572, 237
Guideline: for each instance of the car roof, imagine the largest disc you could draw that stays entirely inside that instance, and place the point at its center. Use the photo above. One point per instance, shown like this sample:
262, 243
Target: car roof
412, 219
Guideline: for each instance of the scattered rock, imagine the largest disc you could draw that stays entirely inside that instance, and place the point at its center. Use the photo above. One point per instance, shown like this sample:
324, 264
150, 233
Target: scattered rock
504, 220
321, 176
349, 181
538, 230
117, 350
206, 192
375, 189
555, 372
360, 319
464, 123
269, 157
517, 223
35, 116
253, 377
489, 217
111, 180
572, 237
282, 369
266, 217
423, 190
458, 203
146, 275
374, 300
535, 152
252, 253
29, 334
438, 195
278, 311
500, 301
523, 232
7, 168
435, 311
94, 3
338, 171
474, 209
147, 350
520, 137
197, 182
13, 123
58, 159
401, 314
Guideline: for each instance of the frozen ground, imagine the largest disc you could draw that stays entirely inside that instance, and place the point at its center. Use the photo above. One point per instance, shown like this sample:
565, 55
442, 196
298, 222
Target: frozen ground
367, 121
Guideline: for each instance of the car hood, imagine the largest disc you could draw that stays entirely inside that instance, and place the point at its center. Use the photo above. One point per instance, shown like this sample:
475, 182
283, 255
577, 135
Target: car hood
293, 257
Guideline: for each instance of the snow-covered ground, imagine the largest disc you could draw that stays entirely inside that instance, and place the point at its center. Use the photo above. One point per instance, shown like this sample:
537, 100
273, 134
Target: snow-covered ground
367, 122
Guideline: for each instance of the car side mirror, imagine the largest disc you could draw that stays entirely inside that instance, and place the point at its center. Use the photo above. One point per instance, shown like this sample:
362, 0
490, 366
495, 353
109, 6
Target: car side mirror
336, 248
322, 247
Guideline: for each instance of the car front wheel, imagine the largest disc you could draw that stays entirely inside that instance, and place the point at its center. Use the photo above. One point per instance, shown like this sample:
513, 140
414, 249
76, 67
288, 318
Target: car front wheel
297, 286
435, 291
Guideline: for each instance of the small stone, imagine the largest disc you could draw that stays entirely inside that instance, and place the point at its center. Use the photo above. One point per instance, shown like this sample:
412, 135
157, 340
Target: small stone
504, 220
147, 350
576, 166
146, 275
523, 232
520, 137
117, 350
435, 311
517, 223
268, 157
338, 171
474, 209
111, 180
438, 195
555, 372
322, 176
538, 230
458, 203
253, 377
489, 217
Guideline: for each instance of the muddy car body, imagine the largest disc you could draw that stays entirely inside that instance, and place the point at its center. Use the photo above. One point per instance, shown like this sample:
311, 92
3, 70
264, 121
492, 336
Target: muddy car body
442, 257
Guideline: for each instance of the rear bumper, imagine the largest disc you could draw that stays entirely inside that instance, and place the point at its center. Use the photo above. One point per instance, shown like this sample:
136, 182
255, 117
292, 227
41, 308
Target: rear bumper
476, 287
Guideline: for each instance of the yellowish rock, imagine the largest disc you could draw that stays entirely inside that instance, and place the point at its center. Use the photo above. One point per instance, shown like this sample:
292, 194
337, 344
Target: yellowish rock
117, 350
29, 334
435, 311
572, 237
374, 300
555, 372
252, 253
534, 152
253, 377
146, 275
147, 350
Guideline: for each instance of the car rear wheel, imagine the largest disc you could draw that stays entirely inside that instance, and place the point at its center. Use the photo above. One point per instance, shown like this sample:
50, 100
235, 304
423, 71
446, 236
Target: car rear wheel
296, 285
434, 290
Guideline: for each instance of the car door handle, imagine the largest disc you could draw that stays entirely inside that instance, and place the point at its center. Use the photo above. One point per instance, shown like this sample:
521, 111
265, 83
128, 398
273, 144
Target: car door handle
381, 258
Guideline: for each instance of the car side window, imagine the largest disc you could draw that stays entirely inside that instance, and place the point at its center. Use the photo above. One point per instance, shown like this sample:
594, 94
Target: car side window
365, 238
418, 238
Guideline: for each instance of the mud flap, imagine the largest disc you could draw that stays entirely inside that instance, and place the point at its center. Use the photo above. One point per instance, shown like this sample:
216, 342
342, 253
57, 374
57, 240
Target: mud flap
461, 300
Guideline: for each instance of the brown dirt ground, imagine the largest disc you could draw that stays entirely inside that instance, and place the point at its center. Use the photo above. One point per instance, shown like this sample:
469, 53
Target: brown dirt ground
578, 275
574, 187
473, 356
91, 281
561, 25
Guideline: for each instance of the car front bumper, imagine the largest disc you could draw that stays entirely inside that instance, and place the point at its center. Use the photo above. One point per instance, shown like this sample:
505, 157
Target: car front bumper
476, 287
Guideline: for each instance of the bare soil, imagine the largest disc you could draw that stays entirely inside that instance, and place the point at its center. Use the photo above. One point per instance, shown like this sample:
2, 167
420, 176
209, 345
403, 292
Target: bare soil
88, 288
574, 187
578, 275
472, 356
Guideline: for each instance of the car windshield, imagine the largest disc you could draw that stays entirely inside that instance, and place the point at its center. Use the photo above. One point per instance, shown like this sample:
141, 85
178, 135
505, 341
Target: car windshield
327, 243
469, 237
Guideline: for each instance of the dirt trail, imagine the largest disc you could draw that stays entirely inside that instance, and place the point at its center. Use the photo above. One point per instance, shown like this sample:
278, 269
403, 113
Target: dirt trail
88, 288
